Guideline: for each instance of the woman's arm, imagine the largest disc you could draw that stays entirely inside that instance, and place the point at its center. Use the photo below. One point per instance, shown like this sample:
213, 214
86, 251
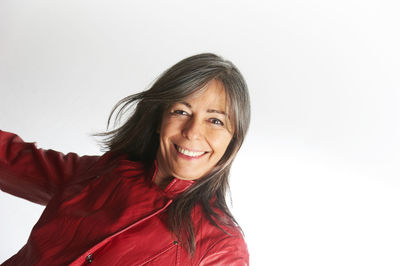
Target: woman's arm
36, 174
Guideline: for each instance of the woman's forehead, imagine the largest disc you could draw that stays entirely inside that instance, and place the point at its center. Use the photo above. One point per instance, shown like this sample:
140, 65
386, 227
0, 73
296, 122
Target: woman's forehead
212, 95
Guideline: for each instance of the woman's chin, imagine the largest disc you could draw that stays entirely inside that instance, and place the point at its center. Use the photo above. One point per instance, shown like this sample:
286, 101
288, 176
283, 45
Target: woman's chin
187, 175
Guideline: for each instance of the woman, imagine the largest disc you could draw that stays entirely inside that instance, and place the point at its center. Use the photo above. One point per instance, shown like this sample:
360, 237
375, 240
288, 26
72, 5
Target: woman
157, 197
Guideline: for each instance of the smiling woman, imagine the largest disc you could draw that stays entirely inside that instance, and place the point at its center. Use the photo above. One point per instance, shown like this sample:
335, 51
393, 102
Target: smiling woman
194, 134
157, 196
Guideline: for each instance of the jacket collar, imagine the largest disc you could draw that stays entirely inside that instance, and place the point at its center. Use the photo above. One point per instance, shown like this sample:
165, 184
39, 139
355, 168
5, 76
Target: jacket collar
175, 187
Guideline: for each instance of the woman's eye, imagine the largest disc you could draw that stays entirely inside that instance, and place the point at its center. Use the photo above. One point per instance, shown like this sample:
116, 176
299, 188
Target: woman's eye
179, 112
216, 122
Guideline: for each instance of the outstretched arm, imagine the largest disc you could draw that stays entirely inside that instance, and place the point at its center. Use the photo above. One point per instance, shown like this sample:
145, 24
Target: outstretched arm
36, 174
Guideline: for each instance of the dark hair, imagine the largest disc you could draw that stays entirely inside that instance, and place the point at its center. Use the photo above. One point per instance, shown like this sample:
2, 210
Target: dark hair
138, 137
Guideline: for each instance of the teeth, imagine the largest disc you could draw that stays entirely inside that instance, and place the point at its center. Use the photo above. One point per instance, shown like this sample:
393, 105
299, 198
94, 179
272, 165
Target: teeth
190, 153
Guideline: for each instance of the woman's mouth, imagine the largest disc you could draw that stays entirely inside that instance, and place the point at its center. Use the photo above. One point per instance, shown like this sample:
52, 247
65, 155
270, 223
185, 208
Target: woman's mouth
189, 153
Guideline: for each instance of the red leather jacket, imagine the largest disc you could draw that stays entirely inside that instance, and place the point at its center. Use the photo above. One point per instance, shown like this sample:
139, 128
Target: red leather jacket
104, 215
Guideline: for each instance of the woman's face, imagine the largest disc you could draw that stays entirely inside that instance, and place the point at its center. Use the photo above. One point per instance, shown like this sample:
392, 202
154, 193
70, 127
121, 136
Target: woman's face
194, 134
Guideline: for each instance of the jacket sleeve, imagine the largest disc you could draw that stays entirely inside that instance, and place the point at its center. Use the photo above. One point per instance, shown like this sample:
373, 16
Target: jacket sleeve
36, 174
228, 251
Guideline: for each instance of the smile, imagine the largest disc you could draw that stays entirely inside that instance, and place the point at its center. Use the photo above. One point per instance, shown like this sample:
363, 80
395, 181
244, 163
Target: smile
189, 153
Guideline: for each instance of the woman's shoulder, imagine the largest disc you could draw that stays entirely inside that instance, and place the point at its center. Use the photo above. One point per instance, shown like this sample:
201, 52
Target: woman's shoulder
220, 240
220, 227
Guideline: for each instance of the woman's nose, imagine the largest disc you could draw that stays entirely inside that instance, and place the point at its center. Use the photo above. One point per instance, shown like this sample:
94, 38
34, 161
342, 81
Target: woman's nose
192, 129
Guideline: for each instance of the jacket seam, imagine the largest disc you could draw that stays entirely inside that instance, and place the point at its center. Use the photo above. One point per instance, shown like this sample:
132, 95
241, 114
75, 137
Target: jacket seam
97, 246
148, 259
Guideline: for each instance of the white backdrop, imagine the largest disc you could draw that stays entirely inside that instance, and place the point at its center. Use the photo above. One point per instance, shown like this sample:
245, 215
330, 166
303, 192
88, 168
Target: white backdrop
317, 181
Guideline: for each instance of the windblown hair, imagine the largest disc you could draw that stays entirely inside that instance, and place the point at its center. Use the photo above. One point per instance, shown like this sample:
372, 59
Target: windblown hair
138, 137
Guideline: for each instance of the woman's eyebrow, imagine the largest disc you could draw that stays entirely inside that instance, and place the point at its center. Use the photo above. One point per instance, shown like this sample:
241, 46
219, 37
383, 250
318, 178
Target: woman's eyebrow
185, 103
208, 110
216, 111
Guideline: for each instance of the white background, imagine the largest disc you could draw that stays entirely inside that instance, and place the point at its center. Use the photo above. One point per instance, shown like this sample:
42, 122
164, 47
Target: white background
317, 181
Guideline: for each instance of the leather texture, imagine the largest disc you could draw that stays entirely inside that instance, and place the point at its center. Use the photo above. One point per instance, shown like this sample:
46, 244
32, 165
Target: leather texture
105, 211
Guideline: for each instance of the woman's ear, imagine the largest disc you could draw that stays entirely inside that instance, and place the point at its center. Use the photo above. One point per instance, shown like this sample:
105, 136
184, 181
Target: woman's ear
158, 130
160, 121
